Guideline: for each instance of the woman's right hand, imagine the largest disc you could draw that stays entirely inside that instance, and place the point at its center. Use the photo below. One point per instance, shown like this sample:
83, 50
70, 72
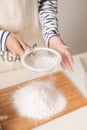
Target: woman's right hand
16, 45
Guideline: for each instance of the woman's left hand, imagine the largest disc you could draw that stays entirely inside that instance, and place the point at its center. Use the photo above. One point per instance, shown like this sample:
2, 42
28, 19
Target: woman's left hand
57, 43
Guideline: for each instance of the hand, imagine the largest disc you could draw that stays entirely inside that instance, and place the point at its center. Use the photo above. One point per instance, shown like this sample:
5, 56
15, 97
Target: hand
57, 43
16, 45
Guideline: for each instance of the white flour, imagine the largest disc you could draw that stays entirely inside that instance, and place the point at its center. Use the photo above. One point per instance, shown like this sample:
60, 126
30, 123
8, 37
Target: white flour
38, 100
44, 62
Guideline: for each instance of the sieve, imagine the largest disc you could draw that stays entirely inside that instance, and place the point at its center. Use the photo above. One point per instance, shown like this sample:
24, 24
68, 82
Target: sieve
41, 59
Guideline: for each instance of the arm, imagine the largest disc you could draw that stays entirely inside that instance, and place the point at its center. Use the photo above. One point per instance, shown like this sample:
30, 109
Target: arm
48, 19
12, 42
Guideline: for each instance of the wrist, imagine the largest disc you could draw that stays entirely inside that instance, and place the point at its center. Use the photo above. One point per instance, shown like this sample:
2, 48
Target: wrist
53, 40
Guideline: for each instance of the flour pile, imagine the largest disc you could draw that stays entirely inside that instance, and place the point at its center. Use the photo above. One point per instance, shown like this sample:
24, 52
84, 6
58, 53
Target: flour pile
38, 100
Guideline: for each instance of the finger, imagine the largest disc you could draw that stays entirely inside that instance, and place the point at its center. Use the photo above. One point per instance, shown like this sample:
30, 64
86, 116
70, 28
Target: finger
65, 51
64, 66
63, 63
15, 47
66, 63
69, 56
27, 48
19, 50
13, 52
65, 46
22, 43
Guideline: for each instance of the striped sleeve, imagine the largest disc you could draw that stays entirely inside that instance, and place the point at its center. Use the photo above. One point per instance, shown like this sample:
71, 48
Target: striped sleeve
48, 10
3, 37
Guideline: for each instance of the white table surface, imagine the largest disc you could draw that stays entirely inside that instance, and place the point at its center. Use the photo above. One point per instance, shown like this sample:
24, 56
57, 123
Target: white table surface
73, 121
76, 120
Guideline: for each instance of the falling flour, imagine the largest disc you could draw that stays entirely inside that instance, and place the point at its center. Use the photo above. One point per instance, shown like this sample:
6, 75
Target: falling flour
38, 100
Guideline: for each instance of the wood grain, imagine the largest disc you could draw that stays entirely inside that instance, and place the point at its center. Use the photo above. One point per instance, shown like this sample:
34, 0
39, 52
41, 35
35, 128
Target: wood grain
15, 122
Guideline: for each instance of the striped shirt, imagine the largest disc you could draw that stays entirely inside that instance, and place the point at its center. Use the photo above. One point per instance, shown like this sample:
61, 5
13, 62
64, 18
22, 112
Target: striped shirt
47, 10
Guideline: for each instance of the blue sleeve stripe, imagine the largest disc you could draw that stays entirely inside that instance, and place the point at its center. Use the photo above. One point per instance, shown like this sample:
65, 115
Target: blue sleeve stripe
1, 31
4, 38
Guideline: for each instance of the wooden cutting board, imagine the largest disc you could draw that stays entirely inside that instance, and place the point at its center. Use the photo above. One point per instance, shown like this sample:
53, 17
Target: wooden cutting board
16, 122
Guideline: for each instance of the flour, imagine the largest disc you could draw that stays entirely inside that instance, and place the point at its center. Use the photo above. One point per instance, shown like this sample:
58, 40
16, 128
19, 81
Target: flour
41, 60
44, 62
38, 100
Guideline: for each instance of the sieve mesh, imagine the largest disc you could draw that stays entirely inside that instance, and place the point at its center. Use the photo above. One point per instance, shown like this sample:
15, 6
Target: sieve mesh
41, 59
